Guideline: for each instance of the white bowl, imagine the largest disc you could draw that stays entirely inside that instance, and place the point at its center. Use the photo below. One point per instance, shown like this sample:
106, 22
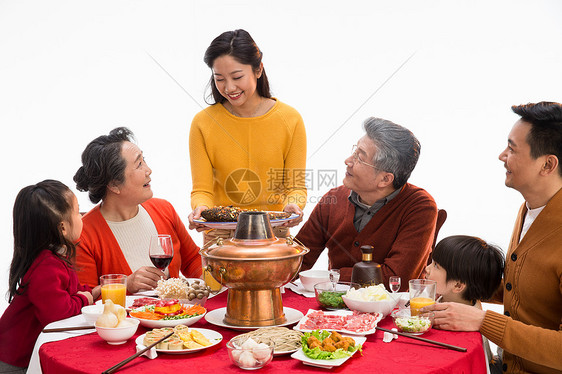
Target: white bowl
92, 312
311, 277
118, 335
383, 307
414, 325
401, 298
249, 359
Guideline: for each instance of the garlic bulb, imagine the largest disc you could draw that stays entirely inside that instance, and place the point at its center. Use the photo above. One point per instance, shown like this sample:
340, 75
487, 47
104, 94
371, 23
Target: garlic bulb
107, 320
249, 344
247, 359
262, 352
112, 315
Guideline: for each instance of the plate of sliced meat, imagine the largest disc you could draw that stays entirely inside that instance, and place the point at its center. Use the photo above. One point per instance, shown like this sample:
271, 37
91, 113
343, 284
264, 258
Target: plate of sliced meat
345, 321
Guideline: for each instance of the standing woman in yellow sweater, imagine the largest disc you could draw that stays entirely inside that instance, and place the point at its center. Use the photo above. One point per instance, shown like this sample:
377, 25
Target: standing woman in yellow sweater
247, 148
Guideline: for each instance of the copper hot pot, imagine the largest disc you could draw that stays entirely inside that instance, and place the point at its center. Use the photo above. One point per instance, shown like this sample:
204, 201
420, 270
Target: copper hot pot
253, 265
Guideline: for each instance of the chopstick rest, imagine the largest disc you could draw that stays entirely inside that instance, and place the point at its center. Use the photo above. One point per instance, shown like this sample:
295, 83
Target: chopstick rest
116, 367
151, 353
388, 336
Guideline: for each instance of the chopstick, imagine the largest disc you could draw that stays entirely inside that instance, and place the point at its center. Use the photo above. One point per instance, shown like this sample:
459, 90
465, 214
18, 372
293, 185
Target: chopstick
61, 329
453, 347
114, 368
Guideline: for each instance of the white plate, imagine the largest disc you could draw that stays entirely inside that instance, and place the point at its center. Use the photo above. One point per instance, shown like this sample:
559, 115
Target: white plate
129, 300
326, 364
281, 353
336, 313
297, 287
232, 225
153, 324
216, 317
213, 336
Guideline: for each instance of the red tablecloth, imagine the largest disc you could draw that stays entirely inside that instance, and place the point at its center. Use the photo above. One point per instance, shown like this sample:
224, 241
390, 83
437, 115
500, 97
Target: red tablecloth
90, 354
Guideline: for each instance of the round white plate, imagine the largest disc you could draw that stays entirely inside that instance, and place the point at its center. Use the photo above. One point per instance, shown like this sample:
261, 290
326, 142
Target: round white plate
154, 324
216, 317
281, 353
213, 336
232, 225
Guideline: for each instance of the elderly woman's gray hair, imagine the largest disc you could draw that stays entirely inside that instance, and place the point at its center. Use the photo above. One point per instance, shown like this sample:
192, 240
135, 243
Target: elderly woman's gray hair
102, 164
398, 150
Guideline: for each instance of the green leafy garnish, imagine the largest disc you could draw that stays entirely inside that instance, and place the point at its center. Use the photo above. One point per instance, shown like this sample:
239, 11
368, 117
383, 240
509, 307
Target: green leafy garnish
331, 299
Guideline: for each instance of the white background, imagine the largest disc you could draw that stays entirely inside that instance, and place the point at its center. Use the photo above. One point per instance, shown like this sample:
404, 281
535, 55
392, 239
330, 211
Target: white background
73, 70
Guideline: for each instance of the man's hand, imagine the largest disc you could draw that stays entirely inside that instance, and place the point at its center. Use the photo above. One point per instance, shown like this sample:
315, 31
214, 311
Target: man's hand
455, 316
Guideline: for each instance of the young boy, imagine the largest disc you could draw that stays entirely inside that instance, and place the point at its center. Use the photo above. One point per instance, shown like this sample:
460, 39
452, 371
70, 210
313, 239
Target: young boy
466, 269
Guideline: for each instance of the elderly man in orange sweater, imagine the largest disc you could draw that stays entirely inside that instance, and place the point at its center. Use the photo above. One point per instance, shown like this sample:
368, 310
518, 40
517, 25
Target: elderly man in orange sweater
375, 206
529, 331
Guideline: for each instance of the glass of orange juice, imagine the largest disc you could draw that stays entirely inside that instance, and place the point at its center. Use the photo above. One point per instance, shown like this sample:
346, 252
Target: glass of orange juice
422, 293
114, 287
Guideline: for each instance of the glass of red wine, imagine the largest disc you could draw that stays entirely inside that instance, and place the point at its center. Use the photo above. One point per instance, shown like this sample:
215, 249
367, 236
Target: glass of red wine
161, 251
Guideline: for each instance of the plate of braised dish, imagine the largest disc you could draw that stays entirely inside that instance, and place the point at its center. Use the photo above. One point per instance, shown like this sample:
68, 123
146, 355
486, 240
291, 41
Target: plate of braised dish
226, 217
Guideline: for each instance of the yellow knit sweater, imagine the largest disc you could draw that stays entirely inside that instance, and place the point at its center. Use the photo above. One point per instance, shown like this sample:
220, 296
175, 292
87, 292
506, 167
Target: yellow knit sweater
255, 163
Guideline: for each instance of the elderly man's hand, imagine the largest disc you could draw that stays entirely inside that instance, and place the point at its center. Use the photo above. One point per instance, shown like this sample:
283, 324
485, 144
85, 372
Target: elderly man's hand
145, 278
456, 317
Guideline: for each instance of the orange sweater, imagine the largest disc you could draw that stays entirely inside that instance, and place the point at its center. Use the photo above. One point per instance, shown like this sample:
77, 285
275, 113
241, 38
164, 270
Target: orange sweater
99, 253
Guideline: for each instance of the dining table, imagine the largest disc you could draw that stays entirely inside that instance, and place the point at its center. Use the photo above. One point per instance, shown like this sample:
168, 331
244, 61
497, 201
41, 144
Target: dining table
88, 353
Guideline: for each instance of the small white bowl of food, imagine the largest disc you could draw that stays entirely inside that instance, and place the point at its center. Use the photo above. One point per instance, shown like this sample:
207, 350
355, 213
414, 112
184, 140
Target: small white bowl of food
120, 334
371, 299
246, 353
113, 326
309, 278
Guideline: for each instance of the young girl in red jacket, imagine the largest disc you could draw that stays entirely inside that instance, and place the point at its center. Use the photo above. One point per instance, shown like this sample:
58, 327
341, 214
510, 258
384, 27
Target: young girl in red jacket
43, 286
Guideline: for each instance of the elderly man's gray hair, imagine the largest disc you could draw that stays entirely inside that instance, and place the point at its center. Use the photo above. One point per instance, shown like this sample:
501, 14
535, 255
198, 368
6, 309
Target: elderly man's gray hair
398, 149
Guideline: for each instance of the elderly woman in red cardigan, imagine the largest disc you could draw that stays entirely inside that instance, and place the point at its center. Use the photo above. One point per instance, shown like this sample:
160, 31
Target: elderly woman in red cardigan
116, 233
375, 206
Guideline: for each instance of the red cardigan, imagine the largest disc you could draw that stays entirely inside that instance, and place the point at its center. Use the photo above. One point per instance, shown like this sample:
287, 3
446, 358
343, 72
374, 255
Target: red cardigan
401, 232
50, 295
99, 253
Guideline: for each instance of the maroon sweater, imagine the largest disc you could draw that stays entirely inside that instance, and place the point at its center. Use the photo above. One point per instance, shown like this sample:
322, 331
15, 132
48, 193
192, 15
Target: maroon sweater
401, 232
50, 295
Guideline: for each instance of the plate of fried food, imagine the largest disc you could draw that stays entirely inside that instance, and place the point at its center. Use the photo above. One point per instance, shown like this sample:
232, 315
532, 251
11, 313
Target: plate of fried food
226, 217
326, 349
184, 340
168, 313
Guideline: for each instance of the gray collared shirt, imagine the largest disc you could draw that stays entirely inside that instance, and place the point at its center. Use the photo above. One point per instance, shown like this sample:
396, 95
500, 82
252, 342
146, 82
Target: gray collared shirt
364, 212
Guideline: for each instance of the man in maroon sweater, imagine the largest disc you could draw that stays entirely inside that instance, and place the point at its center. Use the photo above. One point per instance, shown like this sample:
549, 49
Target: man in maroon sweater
375, 206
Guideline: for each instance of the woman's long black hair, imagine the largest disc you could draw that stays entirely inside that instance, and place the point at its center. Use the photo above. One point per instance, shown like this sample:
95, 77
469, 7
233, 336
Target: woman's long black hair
38, 212
240, 45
